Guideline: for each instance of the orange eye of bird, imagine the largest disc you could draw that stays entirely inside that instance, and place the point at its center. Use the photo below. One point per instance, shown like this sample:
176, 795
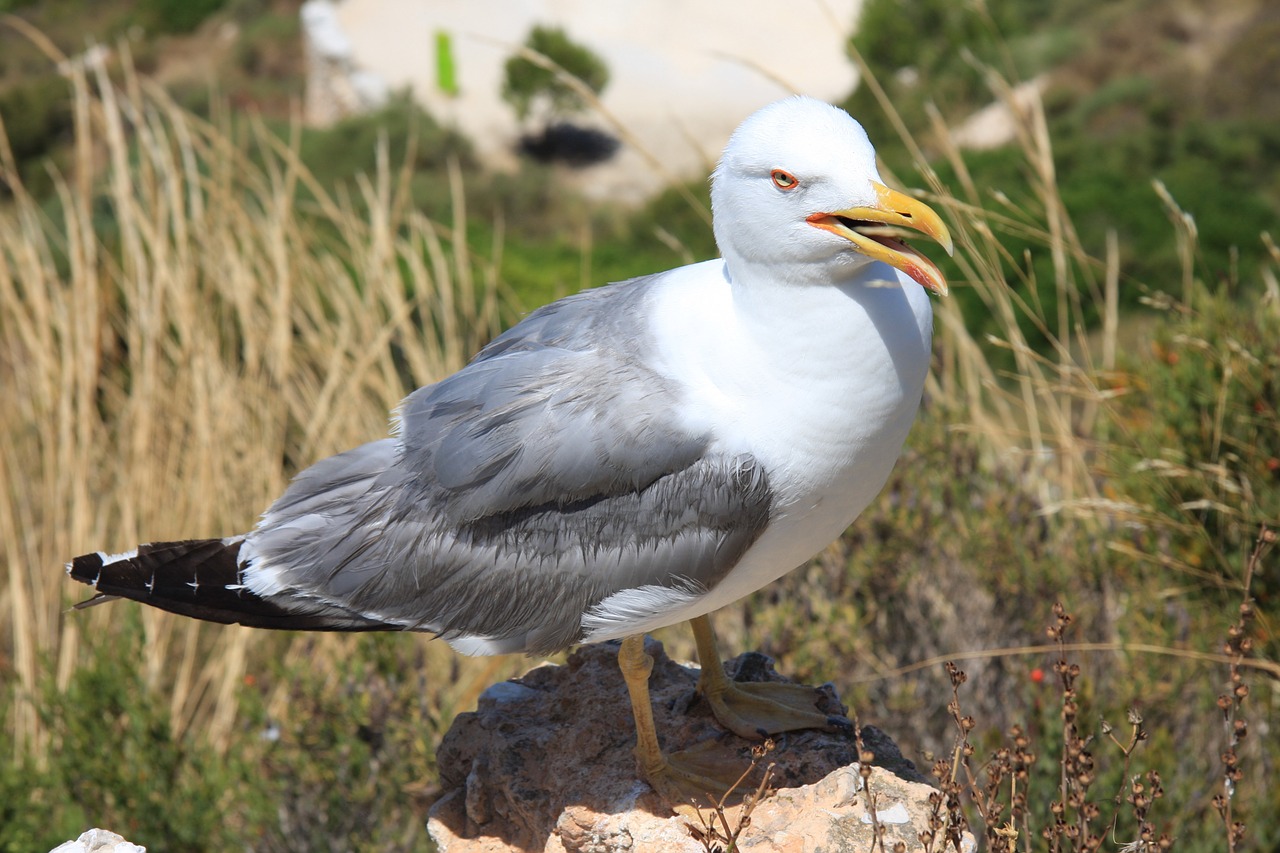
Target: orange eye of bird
784, 180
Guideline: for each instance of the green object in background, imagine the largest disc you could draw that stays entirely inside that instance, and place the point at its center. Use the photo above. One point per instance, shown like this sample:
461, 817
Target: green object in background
526, 82
446, 70
177, 16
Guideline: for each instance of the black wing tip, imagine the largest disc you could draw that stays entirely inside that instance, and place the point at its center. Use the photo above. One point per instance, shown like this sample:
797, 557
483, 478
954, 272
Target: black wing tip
201, 578
86, 568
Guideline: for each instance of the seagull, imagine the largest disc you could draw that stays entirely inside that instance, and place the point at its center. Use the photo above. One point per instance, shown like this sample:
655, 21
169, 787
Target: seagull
624, 459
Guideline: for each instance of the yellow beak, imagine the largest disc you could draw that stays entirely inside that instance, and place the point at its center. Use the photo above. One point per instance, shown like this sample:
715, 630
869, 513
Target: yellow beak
874, 231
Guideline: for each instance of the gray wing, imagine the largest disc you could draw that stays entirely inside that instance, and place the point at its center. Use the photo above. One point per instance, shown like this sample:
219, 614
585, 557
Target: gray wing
548, 474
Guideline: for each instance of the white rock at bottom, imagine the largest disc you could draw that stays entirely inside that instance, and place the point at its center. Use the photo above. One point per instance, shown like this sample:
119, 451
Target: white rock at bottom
98, 841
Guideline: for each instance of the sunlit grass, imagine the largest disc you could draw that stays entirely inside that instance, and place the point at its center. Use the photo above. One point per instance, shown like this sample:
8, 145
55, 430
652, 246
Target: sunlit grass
179, 337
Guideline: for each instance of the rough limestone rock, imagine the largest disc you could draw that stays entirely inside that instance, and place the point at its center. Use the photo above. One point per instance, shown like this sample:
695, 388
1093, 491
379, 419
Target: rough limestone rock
546, 764
98, 841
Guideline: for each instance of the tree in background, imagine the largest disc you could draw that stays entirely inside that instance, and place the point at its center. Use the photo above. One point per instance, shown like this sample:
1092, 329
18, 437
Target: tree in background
527, 84
530, 87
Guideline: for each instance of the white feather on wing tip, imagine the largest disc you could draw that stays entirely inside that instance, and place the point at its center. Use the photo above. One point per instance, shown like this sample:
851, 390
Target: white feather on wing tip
108, 559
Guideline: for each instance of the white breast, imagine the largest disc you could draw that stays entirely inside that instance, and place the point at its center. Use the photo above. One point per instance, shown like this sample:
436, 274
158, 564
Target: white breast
820, 384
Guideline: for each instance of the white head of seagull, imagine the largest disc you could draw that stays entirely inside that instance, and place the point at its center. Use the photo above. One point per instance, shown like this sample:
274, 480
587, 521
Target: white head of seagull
797, 194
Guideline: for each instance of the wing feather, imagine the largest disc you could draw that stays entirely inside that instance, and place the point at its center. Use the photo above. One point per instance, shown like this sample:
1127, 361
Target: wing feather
550, 473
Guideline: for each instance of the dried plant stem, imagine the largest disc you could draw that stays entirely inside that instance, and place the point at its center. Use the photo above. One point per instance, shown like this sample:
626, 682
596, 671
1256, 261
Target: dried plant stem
715, 827
1238, 645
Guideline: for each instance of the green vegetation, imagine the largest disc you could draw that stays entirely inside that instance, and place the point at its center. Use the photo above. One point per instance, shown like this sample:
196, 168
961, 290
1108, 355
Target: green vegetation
1124, 105
269, 47
194, 305
117, 754
529, 80
177, 16
37, 119
934, 51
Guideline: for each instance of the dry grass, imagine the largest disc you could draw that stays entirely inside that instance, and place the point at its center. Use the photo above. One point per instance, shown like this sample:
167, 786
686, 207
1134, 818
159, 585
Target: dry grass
235, 322
1040, 410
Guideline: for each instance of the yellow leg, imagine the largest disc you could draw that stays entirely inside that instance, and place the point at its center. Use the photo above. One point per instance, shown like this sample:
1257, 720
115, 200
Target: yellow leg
754, 710
702, 774
636, 667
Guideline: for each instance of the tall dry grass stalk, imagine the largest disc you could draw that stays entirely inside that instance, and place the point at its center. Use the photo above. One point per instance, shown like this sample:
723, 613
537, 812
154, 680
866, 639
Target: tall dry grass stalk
1039, 413
192, 321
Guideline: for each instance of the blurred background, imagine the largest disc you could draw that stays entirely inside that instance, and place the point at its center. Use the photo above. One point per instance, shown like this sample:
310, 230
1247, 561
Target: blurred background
234, 233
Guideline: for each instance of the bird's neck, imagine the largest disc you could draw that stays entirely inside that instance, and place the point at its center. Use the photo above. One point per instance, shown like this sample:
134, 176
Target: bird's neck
834, 316
741, 333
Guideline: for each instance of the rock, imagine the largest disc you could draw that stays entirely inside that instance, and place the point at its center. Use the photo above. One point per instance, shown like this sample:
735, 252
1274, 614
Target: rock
98, 841
545, 763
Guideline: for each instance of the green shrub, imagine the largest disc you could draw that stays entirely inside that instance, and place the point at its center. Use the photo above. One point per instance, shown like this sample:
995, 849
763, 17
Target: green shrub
116, 763
270, 46
37, 116
1202, 411
526, 83
177, 16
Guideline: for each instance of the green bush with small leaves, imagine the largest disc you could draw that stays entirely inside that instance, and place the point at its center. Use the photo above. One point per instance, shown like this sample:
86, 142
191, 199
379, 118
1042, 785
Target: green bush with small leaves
527, 84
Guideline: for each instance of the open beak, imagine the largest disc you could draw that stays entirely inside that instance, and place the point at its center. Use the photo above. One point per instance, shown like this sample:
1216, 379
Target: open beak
875, 231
